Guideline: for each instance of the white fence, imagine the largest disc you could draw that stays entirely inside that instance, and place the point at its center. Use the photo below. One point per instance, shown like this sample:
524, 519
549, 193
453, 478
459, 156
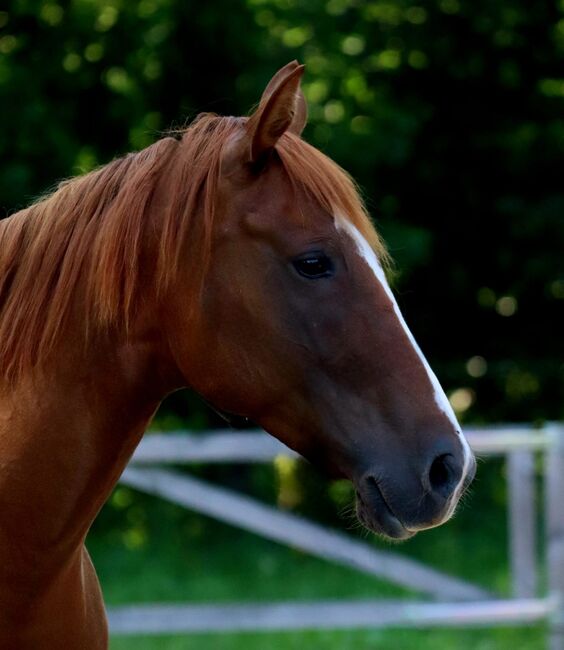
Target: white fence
472, 606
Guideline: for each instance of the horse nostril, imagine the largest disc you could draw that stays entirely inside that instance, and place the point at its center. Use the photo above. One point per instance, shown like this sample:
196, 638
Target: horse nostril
444, 475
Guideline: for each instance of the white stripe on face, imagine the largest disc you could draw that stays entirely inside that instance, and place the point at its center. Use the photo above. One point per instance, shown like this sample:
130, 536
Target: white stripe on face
366, 252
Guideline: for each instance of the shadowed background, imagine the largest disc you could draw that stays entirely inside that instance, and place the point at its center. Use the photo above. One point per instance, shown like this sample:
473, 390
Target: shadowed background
450, 115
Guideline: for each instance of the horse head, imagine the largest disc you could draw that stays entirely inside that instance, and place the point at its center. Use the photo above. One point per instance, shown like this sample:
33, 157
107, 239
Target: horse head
298, 330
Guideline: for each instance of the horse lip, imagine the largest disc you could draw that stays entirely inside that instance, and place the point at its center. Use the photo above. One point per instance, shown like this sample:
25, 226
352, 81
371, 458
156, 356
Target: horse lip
379, 517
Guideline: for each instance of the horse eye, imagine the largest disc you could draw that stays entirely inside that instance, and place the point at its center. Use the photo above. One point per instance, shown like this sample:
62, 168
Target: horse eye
314, 265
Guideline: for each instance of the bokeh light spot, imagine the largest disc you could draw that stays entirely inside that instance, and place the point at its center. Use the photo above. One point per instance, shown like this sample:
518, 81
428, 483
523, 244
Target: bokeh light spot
557, 289
265, 18
72, 62
476, 366
462, 399
449, 6
118, 80
361, 125
296, 36
334, 111
506, 306
521, 384
353, 44
86, 160
8, 43
337, 7
51, 14
552, 87
417, 59
107, 18
93, 52
388, 59
416, 15
316, 91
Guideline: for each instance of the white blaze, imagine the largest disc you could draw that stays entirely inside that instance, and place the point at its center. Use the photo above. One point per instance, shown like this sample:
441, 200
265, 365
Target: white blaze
367, 253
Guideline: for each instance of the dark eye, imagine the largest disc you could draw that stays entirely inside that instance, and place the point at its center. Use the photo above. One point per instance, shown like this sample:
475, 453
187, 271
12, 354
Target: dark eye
314, 265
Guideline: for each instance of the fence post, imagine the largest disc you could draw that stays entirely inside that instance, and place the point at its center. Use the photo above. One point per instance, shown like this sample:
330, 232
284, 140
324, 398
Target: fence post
522, 523
555, 535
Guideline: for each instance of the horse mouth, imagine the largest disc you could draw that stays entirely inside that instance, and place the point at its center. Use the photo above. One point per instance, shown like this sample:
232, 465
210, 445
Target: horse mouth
378, 517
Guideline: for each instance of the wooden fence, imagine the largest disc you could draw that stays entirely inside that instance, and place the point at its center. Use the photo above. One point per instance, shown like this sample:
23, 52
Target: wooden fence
450, 601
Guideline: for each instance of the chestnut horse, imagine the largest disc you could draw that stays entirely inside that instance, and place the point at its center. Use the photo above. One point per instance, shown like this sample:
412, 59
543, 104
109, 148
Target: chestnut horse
235, 259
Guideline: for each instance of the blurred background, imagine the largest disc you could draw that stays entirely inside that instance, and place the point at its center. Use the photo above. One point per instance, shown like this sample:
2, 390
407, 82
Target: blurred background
450, 115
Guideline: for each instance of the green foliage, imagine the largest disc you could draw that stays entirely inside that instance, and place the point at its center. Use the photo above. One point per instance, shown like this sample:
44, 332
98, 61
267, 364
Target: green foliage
449, 114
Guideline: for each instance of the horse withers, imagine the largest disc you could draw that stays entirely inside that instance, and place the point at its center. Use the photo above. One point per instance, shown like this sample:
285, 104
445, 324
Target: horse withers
234, 259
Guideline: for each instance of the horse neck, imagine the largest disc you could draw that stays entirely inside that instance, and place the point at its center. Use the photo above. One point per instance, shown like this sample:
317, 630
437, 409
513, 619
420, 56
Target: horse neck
67, 432
65, 437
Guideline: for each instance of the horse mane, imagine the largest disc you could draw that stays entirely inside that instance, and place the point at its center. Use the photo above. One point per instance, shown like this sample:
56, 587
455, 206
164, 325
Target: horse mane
92, 231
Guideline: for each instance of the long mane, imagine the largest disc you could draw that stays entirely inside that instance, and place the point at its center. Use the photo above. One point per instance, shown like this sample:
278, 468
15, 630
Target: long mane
91, 232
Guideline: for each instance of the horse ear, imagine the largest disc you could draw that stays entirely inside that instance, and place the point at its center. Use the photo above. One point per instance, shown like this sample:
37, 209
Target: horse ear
277, 79
282, 108
300, 118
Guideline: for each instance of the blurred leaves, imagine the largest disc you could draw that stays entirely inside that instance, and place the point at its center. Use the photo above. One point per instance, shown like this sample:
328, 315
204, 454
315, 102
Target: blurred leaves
449, 114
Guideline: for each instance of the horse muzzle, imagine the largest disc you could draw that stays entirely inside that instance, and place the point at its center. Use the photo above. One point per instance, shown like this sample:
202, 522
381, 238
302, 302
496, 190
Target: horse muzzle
399, 505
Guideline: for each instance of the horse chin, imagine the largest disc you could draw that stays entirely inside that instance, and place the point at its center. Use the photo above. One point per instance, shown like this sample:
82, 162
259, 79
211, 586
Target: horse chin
379, 518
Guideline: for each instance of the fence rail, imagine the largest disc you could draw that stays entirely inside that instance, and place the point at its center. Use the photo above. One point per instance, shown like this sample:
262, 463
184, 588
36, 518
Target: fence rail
518, 443
161, 619
226, 446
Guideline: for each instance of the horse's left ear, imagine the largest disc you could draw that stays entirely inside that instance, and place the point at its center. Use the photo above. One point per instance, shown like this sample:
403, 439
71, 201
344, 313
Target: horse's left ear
282, 108
300, 117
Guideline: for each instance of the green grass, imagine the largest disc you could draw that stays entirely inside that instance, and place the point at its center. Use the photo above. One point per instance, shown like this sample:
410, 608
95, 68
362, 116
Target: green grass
498, 639
146, 550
